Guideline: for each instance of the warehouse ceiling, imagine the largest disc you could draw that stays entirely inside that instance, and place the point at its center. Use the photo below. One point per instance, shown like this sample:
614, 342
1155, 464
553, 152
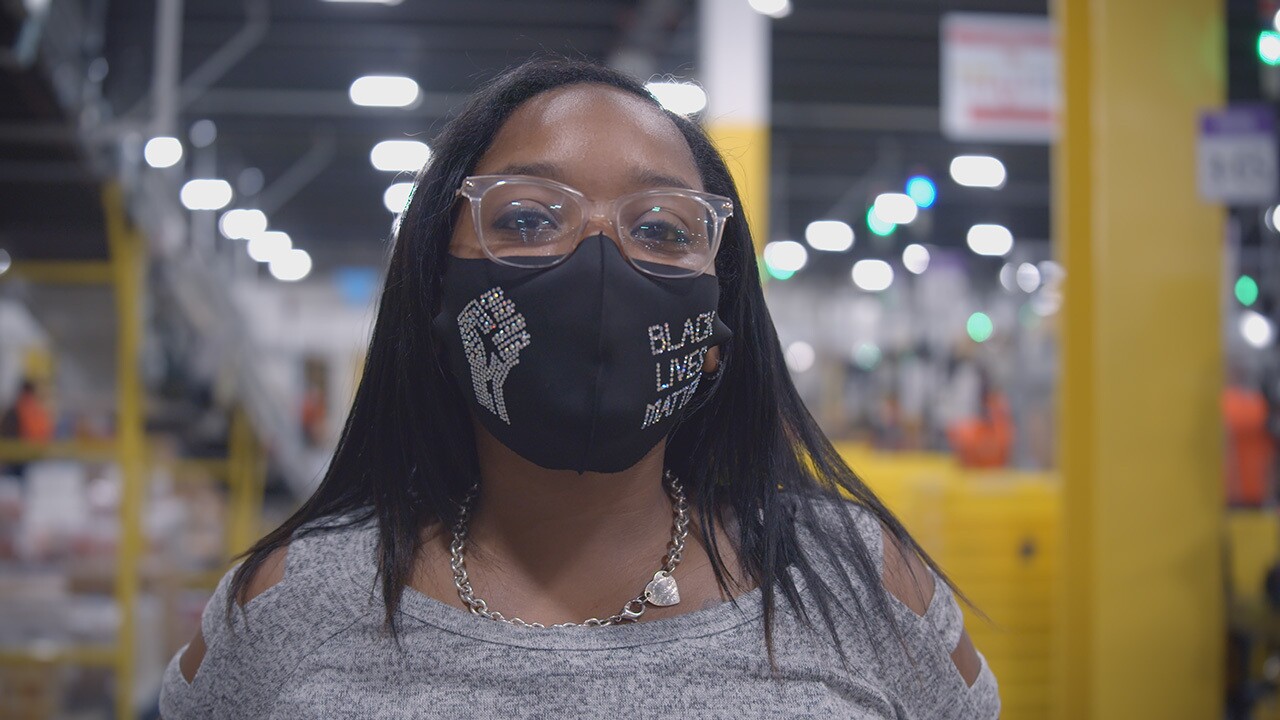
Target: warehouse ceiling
855, 105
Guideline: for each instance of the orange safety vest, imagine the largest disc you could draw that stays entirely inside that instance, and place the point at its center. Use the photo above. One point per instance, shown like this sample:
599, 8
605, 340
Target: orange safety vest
1250, 448
34, 422
984, 442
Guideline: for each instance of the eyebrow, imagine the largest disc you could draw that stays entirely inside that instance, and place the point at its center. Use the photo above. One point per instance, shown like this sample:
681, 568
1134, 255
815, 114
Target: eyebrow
657, 179
546, 170
640, 176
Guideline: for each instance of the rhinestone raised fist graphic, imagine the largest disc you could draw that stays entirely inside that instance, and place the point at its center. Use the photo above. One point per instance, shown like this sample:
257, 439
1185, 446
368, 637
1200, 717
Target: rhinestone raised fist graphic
495, 316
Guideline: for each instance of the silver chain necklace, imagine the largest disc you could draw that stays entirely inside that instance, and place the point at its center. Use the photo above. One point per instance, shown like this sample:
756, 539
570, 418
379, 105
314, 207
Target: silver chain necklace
661, 591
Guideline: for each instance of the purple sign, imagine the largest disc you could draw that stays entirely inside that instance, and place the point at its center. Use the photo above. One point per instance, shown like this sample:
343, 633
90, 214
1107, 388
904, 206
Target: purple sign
1239, 120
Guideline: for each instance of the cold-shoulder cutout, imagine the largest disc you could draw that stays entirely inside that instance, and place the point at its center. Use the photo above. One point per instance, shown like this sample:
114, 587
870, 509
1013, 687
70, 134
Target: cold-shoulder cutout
315, 644
966, 659
192, 657
269, 574
908, 579
905, 575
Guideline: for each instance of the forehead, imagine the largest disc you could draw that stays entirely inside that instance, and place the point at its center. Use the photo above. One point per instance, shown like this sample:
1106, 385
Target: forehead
597, 138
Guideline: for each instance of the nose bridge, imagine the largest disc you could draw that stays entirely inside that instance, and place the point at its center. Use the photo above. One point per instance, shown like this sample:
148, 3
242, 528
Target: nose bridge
600, 221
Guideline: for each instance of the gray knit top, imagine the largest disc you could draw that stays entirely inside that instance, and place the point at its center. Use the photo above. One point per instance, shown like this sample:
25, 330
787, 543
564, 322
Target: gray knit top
313, 646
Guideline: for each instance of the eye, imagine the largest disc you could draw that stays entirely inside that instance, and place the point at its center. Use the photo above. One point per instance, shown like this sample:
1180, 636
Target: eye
660, 232
528, 221
660, 228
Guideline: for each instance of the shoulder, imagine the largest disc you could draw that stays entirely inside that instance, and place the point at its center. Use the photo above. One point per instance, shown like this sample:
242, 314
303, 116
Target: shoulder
941, 674
901, 570
300, 597
823, 522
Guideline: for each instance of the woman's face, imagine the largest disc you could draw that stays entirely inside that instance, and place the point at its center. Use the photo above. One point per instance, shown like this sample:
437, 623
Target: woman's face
600, 140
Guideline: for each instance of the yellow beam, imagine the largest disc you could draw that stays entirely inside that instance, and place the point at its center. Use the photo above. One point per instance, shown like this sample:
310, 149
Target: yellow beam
1142, 608
127, 250
198, 469
16, 451
200, 580
72, 272
184, 469
86, 656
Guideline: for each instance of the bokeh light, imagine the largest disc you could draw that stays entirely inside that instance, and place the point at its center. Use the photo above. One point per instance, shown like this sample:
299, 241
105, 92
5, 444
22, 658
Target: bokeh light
872, 275
829, 235
1246, 290
784, 258
922, 191
681, 98
877, 225
1256, 329
915, 257
980, 327
800, 356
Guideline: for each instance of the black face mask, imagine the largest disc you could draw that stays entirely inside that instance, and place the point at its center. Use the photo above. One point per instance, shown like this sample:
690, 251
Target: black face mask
582, 366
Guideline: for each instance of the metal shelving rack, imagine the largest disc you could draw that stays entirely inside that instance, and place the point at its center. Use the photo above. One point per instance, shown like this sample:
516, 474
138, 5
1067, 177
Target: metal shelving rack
243, 470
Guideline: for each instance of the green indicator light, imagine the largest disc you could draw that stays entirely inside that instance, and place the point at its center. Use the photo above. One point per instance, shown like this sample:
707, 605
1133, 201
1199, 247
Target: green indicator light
979, 327
880, 227
1269, 47
1246, 290
777, 274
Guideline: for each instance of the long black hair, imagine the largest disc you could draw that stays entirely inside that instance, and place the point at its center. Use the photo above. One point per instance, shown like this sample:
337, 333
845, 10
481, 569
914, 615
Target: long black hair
407, 454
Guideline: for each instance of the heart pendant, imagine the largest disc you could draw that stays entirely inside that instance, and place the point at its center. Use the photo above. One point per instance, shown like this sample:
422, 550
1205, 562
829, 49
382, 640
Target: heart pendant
662, 590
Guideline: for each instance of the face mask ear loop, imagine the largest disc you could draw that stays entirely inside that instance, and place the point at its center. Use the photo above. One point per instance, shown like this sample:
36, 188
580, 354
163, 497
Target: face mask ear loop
713, 377
707, 388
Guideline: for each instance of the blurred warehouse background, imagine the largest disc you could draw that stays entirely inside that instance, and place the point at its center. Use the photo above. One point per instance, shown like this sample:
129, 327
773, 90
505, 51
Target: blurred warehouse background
1024, 259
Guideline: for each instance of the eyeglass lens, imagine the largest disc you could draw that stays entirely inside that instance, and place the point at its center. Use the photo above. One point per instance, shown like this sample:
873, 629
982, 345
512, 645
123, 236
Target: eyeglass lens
533, 225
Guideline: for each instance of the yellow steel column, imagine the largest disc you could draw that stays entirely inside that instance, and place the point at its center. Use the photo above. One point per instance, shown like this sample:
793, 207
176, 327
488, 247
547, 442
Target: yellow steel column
746, 151
125, 245
1141, 594
734, 57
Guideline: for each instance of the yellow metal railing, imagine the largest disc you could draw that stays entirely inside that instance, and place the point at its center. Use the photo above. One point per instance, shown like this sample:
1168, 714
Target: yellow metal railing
127, 257
246, 477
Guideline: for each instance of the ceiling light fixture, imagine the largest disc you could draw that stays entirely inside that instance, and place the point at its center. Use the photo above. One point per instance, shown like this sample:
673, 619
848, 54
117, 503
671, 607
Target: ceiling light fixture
400, 155
681, 98
829, 235
991, 240
241, 224
981, 171
163, 151
784, 257
384, 91
290, 265
263, 247
896, 208
205, 194
872, 275
397, 196
776, 9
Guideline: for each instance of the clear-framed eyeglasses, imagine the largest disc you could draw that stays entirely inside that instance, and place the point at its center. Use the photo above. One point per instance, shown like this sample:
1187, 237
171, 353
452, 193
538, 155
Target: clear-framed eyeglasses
527, 221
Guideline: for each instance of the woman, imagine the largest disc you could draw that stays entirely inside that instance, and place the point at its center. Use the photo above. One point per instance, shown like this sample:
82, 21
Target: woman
572, 369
